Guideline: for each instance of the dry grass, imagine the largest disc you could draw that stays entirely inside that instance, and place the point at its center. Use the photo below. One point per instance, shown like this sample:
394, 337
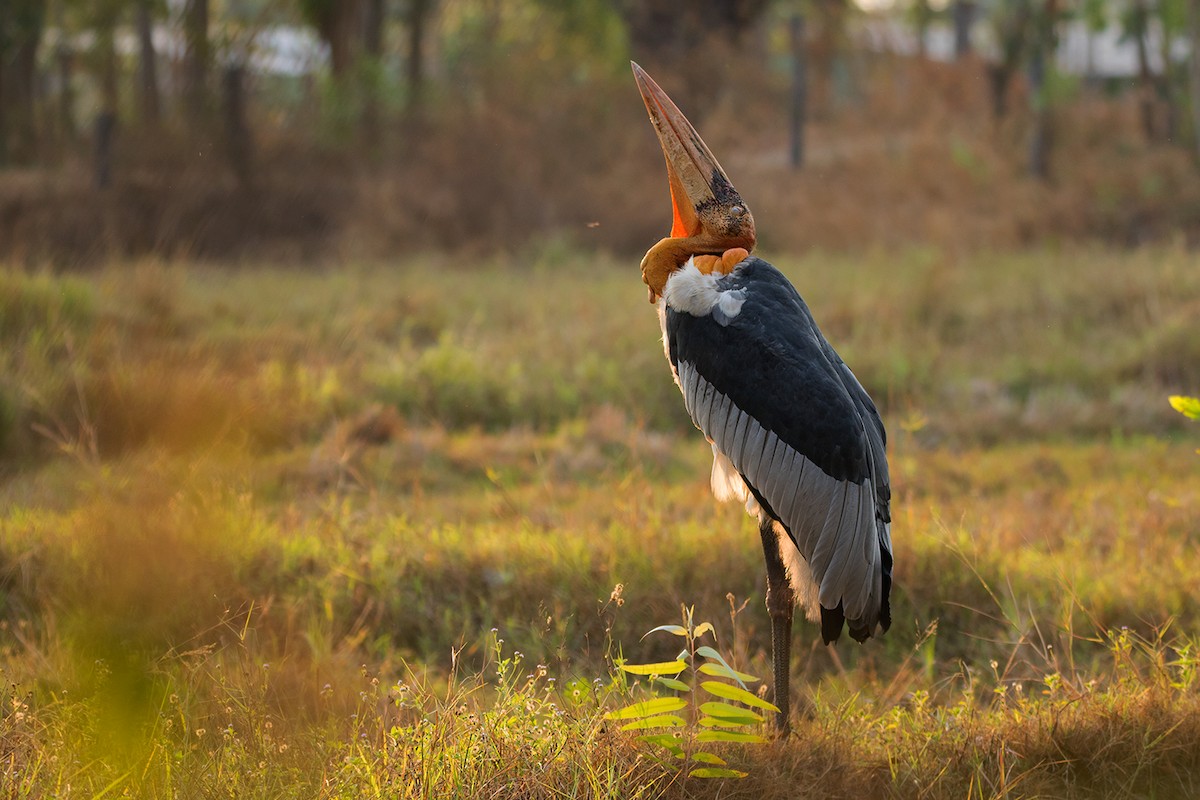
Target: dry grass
258, 541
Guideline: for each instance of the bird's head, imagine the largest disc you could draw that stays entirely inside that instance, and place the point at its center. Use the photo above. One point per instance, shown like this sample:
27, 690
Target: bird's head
711, 221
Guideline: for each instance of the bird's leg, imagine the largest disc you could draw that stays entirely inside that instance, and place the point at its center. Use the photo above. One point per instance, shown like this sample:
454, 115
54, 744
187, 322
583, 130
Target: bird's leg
781, 600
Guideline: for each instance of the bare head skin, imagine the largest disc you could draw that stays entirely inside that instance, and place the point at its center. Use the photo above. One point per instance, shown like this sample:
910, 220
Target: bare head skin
710, 220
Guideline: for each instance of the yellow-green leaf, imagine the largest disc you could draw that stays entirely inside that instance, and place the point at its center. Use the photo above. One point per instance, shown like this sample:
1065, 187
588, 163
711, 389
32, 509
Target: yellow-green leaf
724, 711
713, 655
660, 668
716, 772
740, 695
725, 672
678, 630
670, 741
671, 683
648, 708
733, 737
660, 721
1188, 406
708, 758
718, 722
701, 629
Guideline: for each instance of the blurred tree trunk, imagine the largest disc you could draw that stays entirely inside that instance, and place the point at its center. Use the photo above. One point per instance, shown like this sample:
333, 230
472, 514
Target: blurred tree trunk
3, 98
922, 16
197, 59
1012, 28
148, 94
799, 89
824, 50
65, 60
338, 22
1041, 62
237, 131
373, 22
414, 68
692, 41
964, 20
21, 26
64, 65
1168, 81
104, 131
106, 51
1193, 33
1139, 28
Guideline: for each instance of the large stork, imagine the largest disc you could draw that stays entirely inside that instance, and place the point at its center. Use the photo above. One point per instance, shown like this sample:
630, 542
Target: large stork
794, 434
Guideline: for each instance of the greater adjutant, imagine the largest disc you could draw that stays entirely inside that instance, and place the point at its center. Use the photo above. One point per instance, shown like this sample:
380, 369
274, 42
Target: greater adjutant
794, 434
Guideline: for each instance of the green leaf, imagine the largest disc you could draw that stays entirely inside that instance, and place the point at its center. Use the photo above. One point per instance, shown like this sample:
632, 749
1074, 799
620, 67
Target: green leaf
726, 712
716, 772
718, 722
660, 721
1188, 406
709, 653
648, 708
732, 737
678, 630
671, 683
708, 758
734, 693
670, 741
725, 672
701, 629
660, 668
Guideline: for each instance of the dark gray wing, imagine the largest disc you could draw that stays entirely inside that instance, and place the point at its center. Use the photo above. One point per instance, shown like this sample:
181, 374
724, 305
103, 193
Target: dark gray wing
778, 402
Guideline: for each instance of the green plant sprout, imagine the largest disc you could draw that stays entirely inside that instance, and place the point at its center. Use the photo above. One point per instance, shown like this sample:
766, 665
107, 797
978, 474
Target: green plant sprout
723, 718
1188, 406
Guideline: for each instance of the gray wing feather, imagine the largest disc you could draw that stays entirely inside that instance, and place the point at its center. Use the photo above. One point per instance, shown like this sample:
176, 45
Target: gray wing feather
737, 441
828, 518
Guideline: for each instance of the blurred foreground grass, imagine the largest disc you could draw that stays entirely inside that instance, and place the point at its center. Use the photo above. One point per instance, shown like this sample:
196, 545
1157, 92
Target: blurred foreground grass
257, 528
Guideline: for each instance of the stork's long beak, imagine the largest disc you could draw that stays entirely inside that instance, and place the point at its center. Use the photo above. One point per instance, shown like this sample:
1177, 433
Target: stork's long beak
710, 222
692, 169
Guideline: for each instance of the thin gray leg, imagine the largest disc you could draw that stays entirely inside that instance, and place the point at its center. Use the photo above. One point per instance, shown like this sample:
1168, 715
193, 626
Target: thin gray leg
780, 603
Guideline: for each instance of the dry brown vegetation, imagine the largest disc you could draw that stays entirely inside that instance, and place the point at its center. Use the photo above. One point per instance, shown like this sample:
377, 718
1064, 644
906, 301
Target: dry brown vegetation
255, 542
916, 159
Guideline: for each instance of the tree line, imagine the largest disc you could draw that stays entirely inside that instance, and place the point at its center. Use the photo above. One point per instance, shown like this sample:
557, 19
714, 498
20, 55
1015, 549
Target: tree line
49, 48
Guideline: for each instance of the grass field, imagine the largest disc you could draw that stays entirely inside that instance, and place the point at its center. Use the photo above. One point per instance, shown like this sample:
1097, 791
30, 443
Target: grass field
381, 531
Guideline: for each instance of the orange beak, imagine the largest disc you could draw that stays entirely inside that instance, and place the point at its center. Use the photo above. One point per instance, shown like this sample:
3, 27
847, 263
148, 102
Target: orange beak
692, 169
